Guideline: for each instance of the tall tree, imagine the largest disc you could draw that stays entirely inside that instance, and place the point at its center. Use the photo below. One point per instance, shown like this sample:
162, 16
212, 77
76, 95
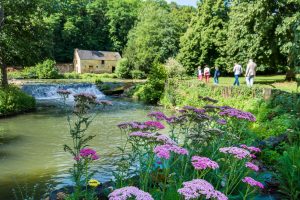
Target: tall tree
23, 34
251, 34
122, 15
205, 36
154, 37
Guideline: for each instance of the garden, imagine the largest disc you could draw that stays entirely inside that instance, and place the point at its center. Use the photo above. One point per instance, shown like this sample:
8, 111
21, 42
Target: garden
153, 129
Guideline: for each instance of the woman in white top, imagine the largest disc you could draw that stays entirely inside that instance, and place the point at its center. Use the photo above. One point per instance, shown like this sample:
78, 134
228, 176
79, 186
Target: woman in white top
206, 73
199, 73
237, 70
250, 73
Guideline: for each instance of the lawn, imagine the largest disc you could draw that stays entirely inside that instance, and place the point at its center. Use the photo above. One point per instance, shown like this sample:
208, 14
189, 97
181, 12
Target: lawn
275, 82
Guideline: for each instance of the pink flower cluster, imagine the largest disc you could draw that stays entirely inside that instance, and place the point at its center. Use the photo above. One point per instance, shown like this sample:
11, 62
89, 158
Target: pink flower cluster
252, 182
157, 115
252, 149
87, 153
63, 92
201, 163
222, 121
129, 192
197, 187
164, 151
239, 114
252, 166
165, 140
154, 124
141, 134
236, 152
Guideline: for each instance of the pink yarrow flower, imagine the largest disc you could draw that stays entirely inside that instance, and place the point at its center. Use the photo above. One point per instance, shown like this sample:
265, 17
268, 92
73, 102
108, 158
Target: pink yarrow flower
253, 182
154, 124
198, 187
252, 166
141, 135
88, 153
129, 193
236, 152
201, 163
157, 115
165, 140
164, 151
251, 149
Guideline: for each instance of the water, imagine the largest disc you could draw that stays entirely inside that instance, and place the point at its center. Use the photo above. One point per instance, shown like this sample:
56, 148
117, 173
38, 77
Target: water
32, 153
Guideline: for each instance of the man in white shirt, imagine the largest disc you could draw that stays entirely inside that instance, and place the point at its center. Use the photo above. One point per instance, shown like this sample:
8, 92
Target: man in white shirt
237, 69
250, 73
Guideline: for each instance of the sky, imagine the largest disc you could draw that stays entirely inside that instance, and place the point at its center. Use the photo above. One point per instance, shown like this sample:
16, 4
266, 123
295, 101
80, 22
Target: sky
185, 2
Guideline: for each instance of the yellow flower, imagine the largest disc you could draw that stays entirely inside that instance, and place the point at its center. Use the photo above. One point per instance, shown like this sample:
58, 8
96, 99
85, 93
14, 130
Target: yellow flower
94, 183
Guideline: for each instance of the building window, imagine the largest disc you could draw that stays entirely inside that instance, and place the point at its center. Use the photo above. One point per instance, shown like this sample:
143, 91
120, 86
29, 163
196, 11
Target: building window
102, 62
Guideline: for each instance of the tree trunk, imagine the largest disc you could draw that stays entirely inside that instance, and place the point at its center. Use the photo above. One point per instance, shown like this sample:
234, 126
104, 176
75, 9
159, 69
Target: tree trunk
290, 75
4, 81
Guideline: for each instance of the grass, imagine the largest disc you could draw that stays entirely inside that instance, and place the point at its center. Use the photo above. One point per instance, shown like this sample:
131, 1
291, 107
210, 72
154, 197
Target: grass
275, 82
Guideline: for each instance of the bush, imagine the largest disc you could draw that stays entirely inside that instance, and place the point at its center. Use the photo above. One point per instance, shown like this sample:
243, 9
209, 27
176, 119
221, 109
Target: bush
71, 75
13, 100
174, 69
137, 74
123, 69
153, 89
47, 70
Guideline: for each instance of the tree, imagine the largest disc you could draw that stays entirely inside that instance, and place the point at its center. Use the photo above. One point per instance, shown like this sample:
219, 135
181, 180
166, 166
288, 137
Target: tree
24, 34
251, 34
156, 35
122, 16
288, 34
4, 81
202, 42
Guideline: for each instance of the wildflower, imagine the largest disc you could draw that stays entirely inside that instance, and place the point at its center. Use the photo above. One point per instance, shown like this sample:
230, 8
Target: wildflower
88, 153
252, 182
251, 149
165, 139
252, 166
236, 151
157, 115
163, 151
222, 121
197, 187
239, 114
200, 163
129, 193
154, 124
141, 135
85, 97
93, 183
175, 120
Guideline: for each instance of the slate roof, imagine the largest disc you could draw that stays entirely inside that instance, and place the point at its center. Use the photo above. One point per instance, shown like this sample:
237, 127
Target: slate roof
98, 55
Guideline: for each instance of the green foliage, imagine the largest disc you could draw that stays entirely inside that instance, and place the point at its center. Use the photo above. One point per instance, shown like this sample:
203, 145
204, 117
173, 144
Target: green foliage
289, 173
174, 69
71, 75
47, 70
137, 74
13, 100
154, 38
123, 69
205, 36
153, 89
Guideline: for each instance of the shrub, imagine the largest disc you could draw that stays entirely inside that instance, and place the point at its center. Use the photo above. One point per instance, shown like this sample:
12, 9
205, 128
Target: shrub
174, 68
47, 70
13, 100
153, 89
123, 69
137, 74
71, 75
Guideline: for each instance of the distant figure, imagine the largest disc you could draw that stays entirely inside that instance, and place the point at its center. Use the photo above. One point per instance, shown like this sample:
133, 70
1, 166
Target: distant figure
216, 75
206, 73
199, 73
237, 70
250, 73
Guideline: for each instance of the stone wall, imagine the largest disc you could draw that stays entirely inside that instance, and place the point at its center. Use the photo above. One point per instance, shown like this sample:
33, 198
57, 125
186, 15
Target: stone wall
97, 66
65, 67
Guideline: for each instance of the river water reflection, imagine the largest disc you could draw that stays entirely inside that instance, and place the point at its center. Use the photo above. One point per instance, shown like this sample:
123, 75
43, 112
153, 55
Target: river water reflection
32, 152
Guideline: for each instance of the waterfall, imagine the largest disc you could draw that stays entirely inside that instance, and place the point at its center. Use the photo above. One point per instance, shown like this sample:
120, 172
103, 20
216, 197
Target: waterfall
49, 91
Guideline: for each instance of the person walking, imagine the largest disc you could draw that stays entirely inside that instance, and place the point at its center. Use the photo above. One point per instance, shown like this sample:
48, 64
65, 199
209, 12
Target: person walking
250, 73
216, 75
237, 70
199, 73
206, 73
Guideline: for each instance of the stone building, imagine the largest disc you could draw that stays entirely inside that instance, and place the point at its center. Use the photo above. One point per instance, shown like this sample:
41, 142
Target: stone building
95, 61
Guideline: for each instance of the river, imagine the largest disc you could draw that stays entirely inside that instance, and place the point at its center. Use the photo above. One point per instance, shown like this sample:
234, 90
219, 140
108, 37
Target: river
32, 160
